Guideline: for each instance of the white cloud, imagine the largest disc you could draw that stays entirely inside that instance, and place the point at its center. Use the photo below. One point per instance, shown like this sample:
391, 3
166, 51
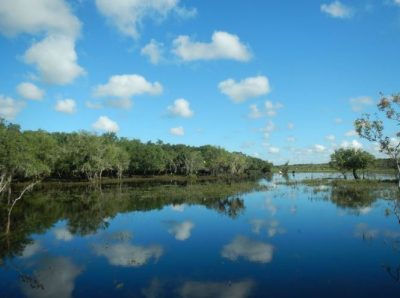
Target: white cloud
63, 234
56, 275
272, 227
253, 251
9, 107
241, 289
153, 50
291, 139
177, 131
35, 17
336, 9
396, 2
245, 89
178, 207
290, 125
254, 112
93, 105
360, 103
123, 87
272, 108
273, 150
31, 249
181, 231
354, 144
120, 103
30, 91
180, 108
351, 133
319, 148
128, 15
268, 129
129, 255
67, 106
223, 45
55, 59
105, 124
330, 138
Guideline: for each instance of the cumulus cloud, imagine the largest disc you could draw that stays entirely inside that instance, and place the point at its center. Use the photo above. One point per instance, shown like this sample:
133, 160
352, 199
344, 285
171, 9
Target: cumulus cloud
354, 144
129, 255
272, 108
93, 105
123, 87
63, 234
57, 277
336, 9
177, 131
128, 15
272, 227
55, 59
268, 129
9, 107
105, 124
223, 45
254, 112
178, 207
30, 91
35, 17
330, 138
245, 89
274, 150
360, 103
253, 251
180, 230
153, 50
67, 106
319, 148
31, 249
180, 108
196, 289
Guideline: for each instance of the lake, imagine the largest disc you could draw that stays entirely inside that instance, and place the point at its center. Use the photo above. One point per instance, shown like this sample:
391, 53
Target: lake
266, 238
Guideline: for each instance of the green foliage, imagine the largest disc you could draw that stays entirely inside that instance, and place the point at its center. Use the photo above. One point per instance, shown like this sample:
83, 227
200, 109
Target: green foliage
84, 155
350, 160
373, 130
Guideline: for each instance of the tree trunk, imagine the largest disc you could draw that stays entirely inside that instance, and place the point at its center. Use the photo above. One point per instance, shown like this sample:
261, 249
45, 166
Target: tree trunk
355, 174
27, 188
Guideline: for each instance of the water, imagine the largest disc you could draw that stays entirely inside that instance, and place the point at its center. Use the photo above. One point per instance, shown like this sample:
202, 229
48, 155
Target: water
212, 240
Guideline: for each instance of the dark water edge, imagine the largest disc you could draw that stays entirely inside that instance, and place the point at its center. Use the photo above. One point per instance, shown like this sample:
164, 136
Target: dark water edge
265, 238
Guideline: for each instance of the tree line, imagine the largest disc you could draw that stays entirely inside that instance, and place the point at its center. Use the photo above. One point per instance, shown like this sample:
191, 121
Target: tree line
84, 155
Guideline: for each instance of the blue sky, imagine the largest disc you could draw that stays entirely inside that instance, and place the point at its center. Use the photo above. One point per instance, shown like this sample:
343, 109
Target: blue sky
282, 80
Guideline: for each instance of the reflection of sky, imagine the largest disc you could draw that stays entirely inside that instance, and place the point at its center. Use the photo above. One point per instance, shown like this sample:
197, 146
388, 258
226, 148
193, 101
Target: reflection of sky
127, 254
180, 230
253, 251
55, 277
193, 289
284, 234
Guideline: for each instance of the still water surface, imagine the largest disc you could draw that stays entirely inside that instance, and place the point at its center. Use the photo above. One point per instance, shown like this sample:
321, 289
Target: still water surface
209, 240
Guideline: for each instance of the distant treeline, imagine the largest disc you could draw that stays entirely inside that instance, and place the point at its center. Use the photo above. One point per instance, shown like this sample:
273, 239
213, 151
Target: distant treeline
379, 164
84, 155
